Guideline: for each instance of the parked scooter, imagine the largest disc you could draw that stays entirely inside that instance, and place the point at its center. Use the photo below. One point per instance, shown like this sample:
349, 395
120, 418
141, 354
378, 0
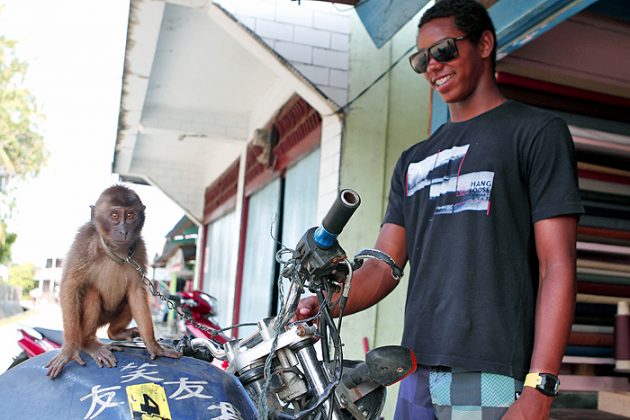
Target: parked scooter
273, 373
35, 341
201, 309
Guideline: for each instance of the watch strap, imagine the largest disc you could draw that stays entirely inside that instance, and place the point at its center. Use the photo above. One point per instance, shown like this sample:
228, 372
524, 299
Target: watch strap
532, 380
545, 383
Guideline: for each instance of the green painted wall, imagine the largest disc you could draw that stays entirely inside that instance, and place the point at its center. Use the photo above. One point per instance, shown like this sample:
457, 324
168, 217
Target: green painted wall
390, 117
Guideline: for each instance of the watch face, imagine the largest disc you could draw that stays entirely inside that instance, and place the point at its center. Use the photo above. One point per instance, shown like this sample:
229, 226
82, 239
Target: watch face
549, 384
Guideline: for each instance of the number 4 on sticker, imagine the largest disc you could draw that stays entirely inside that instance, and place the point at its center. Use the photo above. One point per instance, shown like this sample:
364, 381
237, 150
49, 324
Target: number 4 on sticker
148, 400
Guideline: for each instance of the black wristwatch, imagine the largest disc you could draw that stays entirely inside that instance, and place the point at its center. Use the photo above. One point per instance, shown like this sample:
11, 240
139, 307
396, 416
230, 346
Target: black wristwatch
546, 383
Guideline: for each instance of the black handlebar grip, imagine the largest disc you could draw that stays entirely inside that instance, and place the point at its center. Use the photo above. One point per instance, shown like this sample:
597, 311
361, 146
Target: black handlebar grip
342, 209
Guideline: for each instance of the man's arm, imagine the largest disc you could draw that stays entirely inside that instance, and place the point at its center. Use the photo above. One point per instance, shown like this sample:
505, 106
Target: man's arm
555, 304
373, 281
555, 246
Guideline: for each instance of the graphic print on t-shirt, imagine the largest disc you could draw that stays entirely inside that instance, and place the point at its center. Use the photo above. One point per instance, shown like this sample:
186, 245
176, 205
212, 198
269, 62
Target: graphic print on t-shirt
455, 192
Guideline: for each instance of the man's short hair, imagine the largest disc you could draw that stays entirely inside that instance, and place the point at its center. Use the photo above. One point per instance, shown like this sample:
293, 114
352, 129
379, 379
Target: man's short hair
470, 17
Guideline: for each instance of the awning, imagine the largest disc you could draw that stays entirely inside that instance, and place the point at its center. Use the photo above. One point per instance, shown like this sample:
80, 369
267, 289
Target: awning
197, 84
382, 19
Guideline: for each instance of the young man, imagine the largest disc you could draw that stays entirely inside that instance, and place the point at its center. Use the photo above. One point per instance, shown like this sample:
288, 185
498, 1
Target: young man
485, 212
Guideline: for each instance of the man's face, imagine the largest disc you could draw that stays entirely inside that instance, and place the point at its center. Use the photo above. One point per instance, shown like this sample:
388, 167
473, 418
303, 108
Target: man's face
456, 79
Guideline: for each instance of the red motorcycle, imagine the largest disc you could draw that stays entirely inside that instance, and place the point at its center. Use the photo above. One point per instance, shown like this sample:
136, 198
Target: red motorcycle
35, 341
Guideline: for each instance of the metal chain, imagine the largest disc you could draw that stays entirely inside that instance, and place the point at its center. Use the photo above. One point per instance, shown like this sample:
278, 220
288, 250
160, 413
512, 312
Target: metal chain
169, 303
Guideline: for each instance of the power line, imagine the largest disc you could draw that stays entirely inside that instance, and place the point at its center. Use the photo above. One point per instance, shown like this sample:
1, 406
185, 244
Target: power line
371, 85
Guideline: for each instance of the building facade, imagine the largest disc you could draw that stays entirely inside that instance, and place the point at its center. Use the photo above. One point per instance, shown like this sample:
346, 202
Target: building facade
252, 114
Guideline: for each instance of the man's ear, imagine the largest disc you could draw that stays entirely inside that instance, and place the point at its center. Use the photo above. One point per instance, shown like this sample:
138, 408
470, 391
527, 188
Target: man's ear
486, 44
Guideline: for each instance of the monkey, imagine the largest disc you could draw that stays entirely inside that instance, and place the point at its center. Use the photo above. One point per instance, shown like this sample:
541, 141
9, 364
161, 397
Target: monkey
99, 286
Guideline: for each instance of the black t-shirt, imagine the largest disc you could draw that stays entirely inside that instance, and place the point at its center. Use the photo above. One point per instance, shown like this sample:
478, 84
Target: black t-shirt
468, 198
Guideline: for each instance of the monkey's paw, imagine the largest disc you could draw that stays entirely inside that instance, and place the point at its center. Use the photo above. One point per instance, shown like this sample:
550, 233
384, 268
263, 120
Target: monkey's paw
57, 363
157, 350
102, 354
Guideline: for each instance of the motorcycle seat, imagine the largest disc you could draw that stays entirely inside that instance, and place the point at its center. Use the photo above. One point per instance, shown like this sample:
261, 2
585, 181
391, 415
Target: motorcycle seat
52, 335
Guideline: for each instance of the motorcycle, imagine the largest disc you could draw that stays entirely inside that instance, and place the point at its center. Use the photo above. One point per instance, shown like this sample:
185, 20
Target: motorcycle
273, 373
200, 308
35, 341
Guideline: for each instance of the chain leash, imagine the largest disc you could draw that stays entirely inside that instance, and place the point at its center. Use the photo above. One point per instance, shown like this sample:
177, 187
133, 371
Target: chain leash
169, 303
290, 270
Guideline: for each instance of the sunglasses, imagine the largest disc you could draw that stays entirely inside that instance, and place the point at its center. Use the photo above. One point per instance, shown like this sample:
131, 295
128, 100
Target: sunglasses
442, 51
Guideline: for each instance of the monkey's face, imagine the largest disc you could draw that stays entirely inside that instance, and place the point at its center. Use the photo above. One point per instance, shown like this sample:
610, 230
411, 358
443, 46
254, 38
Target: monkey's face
119, 216
123, 224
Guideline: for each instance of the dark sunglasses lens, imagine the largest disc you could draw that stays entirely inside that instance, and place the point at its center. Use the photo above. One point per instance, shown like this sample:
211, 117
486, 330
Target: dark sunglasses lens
444, 51
419, 61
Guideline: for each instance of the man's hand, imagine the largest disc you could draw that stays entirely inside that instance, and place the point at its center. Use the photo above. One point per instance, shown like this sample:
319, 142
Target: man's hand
307, 307
532, 405
370, 283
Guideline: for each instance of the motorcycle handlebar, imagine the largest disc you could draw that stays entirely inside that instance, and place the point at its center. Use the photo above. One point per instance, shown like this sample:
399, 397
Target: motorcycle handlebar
340, 212
337, 217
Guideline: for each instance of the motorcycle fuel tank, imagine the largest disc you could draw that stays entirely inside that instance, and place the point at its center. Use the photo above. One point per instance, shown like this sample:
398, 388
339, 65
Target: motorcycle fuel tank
137, 388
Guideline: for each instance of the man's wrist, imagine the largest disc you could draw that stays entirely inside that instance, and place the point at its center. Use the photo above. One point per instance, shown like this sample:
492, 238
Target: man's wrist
545, 383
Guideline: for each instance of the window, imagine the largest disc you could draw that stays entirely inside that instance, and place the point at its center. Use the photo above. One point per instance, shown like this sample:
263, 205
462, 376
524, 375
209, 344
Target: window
283, 210
219, 244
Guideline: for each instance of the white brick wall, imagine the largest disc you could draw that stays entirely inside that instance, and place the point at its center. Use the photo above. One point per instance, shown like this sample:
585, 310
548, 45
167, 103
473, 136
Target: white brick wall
331, 20
339, 78
274, 30
295, 53
340, 42
302, 16
316, 74
330, 58
313, 36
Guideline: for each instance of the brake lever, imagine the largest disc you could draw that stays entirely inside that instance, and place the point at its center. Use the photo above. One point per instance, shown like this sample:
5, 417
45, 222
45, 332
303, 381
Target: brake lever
186, 348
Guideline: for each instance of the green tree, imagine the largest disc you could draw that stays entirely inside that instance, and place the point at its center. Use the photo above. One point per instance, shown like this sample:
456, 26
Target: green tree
22, 275
22, 149
6, 241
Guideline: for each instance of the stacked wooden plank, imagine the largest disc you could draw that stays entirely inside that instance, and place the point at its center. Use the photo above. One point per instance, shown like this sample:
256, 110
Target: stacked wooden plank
603, 250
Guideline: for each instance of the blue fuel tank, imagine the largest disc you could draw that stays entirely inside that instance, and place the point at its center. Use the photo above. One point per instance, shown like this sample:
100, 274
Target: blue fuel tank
137, 388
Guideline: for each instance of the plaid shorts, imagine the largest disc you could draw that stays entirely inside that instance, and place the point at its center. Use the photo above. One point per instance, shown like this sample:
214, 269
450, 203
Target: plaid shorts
438, 393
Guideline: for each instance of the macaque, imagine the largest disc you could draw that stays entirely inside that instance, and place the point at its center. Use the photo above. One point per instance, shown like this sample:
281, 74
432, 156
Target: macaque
98, 287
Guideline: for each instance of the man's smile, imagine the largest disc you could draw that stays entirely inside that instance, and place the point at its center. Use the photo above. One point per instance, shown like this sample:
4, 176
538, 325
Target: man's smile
439, 81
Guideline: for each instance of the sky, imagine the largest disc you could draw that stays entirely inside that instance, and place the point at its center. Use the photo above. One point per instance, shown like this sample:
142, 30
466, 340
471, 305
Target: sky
75, 52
